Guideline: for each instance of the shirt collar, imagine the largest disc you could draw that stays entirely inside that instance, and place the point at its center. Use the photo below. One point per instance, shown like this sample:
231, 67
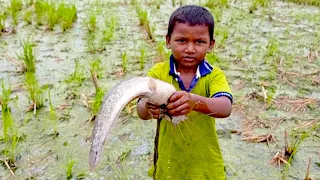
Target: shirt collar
203, 68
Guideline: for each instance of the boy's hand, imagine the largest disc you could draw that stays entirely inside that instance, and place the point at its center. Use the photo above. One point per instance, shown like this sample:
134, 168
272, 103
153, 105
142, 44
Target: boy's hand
153, 110
180, 103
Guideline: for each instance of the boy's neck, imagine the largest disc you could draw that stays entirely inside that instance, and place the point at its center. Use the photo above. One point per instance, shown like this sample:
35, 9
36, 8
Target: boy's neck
186, 70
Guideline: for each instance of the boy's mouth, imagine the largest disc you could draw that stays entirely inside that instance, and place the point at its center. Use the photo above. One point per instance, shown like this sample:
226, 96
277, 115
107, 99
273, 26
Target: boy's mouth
188, 58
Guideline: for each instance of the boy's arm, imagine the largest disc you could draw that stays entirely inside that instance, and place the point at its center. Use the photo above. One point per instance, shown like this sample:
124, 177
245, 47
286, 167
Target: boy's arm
182, 103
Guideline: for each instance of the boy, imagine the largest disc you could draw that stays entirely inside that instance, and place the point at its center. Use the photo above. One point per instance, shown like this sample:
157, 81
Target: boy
190, 150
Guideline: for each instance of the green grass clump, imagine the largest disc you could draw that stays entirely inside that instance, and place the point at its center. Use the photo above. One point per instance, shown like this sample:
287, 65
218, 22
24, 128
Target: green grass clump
91, 23
124, 62
306, 2
28, 17
27, 58
68, 15
259, 3
3, 18
51, 13
14, 8
97, 40
213, 4
9, 130
77, 77
35, 91
221, 35
109, 29
162, 53
142, 57
69, 168
144, 20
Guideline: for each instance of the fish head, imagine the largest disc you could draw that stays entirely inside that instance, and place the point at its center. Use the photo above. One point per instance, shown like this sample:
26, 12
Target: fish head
160, 91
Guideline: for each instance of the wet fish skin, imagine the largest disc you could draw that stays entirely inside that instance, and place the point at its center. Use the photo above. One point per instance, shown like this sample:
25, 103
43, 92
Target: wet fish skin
155, 91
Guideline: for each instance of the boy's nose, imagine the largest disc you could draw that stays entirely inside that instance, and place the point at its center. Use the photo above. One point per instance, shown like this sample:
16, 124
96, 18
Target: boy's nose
190, 48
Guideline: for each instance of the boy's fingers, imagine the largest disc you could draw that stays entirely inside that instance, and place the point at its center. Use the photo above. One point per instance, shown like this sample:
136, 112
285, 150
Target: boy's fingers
175, 96
182, 107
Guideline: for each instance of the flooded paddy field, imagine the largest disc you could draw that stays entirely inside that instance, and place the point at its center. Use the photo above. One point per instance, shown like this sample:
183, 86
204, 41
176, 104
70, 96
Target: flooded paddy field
269, 50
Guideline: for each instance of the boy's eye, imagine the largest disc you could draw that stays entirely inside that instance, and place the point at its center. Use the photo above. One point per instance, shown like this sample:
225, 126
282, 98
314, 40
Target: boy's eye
181, 40
201, 42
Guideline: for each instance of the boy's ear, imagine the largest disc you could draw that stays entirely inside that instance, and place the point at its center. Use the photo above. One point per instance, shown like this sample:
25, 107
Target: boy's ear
168, 42
211, 45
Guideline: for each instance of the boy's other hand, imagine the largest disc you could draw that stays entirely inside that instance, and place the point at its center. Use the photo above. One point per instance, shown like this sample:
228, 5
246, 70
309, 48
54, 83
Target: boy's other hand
180, 103
153, 110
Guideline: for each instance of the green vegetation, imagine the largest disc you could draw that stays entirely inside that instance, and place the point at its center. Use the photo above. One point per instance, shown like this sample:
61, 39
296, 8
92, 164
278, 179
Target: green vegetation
97, 40
68, 15
95, 71
10, 132
306, 2
14, 8
69, 168
142, 57
259, 3
27, 58
144, 20
77, 77
213, 4
124, 61
35, 91
91, 23
3, 18
51, 13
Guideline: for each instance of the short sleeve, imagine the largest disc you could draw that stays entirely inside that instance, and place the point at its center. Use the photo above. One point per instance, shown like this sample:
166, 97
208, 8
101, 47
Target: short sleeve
218, 85
154, 72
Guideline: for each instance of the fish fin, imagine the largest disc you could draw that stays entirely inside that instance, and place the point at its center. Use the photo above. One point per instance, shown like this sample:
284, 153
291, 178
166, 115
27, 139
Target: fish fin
152, 85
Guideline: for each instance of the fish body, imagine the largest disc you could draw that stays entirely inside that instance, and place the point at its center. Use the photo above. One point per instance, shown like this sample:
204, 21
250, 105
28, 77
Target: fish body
155, 91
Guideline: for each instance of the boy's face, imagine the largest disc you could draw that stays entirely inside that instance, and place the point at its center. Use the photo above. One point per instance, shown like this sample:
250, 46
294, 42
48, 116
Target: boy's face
189, 44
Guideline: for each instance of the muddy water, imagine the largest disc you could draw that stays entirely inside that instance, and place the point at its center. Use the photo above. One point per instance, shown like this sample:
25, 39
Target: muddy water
128, 151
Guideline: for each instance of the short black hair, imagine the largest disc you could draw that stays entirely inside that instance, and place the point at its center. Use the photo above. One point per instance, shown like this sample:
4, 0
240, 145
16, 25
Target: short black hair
192, 15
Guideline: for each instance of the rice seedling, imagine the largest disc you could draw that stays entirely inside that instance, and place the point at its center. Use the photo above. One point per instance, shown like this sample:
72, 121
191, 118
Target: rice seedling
124, 63
144, 20
213, 4
109, 29
91, 43
306, 2
217, 14
91, 23
35, 91
272, 47
142, 57
28, 17
173, 2
221, 35
6, 112
3, 18
77, 77
9, 130
40, 10
52, 111
69, 168
142, 15
68, 15
30, 2
133, 2
158, 3
52, 15
259, 3
162, 53
14, 8
27, 58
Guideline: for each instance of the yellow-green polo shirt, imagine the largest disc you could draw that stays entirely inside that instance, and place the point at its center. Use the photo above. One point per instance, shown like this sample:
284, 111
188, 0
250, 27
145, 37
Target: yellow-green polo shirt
191, 149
